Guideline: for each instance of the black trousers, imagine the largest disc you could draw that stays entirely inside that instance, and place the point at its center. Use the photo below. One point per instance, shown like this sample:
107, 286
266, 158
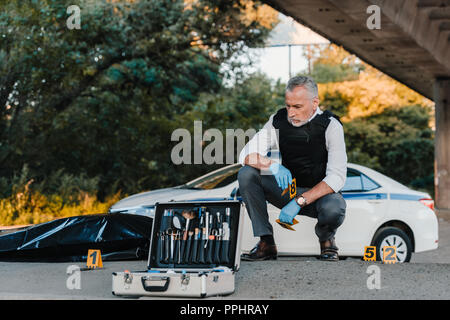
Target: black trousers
257, 188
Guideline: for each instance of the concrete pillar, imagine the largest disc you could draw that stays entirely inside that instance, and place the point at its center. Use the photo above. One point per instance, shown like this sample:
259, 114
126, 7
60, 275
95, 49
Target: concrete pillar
442, 148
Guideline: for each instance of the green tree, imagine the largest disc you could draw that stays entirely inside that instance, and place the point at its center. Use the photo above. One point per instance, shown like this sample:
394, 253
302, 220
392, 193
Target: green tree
333, 64
244, 106
398, 142
336, 102
103, 100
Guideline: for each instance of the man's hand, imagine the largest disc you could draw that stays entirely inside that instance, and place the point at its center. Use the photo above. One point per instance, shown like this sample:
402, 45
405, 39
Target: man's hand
282, 175
289, 212
318, 191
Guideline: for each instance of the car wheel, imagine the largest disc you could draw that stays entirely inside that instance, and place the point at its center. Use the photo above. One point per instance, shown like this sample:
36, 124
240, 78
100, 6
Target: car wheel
391, 236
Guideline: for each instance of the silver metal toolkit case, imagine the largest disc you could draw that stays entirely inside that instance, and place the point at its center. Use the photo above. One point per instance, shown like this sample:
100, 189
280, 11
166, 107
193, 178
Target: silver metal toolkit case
194, 252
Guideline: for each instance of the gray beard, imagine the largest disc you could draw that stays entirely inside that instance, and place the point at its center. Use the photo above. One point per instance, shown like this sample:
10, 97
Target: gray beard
296, 125
301, 122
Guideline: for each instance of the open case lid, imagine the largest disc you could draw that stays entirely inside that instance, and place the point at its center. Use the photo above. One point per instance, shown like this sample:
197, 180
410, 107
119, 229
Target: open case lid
236, 222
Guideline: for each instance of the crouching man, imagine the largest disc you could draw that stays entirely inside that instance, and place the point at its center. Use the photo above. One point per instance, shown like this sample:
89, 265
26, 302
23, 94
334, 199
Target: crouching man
312, 148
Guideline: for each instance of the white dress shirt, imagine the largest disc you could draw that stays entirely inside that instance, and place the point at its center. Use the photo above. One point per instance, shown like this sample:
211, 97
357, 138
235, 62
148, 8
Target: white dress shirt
266, 140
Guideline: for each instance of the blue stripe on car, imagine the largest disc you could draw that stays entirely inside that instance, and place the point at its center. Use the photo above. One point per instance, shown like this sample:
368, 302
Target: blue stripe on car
401, 196
379, 196
348, 196
364, 196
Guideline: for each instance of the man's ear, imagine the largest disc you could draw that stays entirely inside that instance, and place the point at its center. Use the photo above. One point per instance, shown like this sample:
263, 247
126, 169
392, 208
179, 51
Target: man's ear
315, 102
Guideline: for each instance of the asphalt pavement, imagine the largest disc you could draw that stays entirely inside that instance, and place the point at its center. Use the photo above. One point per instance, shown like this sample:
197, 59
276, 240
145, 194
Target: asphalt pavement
426, 277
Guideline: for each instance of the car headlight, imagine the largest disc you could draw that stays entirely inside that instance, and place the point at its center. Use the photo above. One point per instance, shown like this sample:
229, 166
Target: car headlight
146, 211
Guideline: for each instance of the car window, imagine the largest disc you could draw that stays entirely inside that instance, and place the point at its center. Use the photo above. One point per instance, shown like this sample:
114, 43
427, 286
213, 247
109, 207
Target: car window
353, 182
368, 184
215, 179
358, 182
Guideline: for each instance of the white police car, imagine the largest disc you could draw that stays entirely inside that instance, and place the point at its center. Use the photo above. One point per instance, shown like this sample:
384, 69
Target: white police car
380, 212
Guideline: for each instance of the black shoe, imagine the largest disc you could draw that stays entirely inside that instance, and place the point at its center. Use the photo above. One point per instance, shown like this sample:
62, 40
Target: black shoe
328, 251
262, 251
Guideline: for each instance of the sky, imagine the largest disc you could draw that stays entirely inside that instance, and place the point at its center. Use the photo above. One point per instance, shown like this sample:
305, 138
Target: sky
274, 61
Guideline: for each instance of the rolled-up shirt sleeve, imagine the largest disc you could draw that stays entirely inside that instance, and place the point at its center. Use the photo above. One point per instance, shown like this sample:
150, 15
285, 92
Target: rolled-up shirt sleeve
262, 142
336, 171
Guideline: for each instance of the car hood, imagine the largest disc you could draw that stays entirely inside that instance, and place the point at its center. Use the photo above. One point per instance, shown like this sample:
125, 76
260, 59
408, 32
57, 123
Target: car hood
149, 198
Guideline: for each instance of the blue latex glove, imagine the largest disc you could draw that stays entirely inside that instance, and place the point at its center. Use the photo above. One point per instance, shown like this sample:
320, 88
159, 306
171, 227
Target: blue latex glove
289, 212
282, 175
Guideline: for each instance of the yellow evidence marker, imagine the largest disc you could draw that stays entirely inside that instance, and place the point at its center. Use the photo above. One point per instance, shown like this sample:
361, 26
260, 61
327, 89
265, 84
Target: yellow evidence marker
370, 253
389, 254
94, 259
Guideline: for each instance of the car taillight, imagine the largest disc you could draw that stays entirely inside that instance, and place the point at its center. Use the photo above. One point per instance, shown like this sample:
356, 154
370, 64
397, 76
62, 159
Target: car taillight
428, 202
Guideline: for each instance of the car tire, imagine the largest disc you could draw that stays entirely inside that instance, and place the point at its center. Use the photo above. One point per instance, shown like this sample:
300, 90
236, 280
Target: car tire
391, 236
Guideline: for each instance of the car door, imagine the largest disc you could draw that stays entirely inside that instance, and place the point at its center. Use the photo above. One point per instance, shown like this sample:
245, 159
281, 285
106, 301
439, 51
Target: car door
367, 204
303, 241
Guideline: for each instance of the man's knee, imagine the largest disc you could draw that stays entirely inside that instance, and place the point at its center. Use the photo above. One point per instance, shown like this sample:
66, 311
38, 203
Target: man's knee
247, 175
331, 211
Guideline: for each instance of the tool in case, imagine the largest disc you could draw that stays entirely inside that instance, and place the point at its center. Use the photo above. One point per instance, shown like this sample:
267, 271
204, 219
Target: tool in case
194, 251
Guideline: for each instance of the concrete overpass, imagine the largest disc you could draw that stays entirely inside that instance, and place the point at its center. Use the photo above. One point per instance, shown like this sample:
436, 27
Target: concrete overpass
412, 46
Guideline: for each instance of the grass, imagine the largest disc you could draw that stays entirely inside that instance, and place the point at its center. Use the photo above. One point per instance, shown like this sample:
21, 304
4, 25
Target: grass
25, 201
33, 207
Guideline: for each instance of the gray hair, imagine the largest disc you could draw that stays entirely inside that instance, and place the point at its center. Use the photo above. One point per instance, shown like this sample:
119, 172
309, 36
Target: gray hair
303, 81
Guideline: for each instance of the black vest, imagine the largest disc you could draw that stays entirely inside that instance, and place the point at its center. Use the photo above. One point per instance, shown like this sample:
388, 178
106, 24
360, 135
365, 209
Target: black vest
303, 149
